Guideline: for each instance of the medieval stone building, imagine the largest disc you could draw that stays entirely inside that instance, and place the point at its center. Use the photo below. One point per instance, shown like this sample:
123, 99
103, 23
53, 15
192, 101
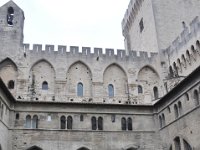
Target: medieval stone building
144, 98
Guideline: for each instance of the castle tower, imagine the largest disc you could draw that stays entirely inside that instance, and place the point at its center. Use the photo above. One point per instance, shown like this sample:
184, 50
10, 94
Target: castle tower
11, 29
151, 25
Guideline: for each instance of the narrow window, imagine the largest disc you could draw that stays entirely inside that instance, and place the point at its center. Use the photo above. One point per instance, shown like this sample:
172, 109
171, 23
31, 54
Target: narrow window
130, 124
110, 90
94, 123
35, 122
11, 84
155, 91
45, 85
10, 16
184, 60
170, 147
160, 121
187, 98
100, 123
80, 89
62, 122
163, 120
171, 72
177, 143
69, 122
180, 108
179, 64
28, 121
17, 116
81, 118
175, 69
187, 146
123, 124
176, 111
2, 110
141, 24
140, 90
196, 98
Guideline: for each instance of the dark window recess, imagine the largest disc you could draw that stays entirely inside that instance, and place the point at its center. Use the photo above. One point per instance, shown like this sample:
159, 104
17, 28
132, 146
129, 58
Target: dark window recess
63, 122
94, 123
45, 85
140, 90
100, 123
10, 16
130, 124
11, 84
81, 118
123, 124
17, 116
141, 24
69, 122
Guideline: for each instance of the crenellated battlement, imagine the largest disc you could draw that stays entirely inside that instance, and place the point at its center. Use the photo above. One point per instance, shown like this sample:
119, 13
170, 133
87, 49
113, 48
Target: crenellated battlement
85, 51
130, 14
186, 35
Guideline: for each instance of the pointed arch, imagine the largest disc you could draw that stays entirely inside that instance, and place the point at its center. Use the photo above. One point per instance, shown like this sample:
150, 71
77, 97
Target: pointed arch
115, 81
83, 148
9, 73
34, 148
74, 79
147, 68
42, 77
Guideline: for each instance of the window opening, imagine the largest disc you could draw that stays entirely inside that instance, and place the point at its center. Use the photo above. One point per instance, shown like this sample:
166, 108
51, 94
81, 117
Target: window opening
45, 85
10, 16
11, 84
110, 90
80, 89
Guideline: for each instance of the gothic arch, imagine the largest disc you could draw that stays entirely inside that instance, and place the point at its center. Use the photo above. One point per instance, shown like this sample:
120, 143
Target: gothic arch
149, 79
116, 76
34, 148
8, 71
42, 71
83, 148
74, 78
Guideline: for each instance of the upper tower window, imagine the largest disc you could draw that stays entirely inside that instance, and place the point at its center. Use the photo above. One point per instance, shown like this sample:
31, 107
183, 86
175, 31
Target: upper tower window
10, 16
141, 24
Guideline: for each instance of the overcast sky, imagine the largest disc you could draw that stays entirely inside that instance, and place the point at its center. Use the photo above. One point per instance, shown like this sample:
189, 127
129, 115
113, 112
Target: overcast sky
94, 23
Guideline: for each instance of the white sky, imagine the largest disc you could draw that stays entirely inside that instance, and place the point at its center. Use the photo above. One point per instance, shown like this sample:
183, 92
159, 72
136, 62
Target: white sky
93, 23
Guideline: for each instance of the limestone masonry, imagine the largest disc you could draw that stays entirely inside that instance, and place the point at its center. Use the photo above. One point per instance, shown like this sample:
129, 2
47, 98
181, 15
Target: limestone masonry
146, 97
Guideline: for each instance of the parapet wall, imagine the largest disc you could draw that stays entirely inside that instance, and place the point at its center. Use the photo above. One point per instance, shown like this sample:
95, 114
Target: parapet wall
86, 51
130, 14
186, 35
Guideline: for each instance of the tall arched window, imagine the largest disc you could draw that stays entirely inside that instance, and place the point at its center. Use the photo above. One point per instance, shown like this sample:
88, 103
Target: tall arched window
183, 60
180, 108
186, 145
94, 123
123, 124
179, 64
69, 122
177, 143
176, 111
35, 122
175, 69
62, 122
160, 121
187, 98
155, 91
100, 123
45, 85
163, 120
130, 124
140, 90
171, 72
188, 56
28, 121
110, 90
80, 89
196, 97
11, 84
10, 16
